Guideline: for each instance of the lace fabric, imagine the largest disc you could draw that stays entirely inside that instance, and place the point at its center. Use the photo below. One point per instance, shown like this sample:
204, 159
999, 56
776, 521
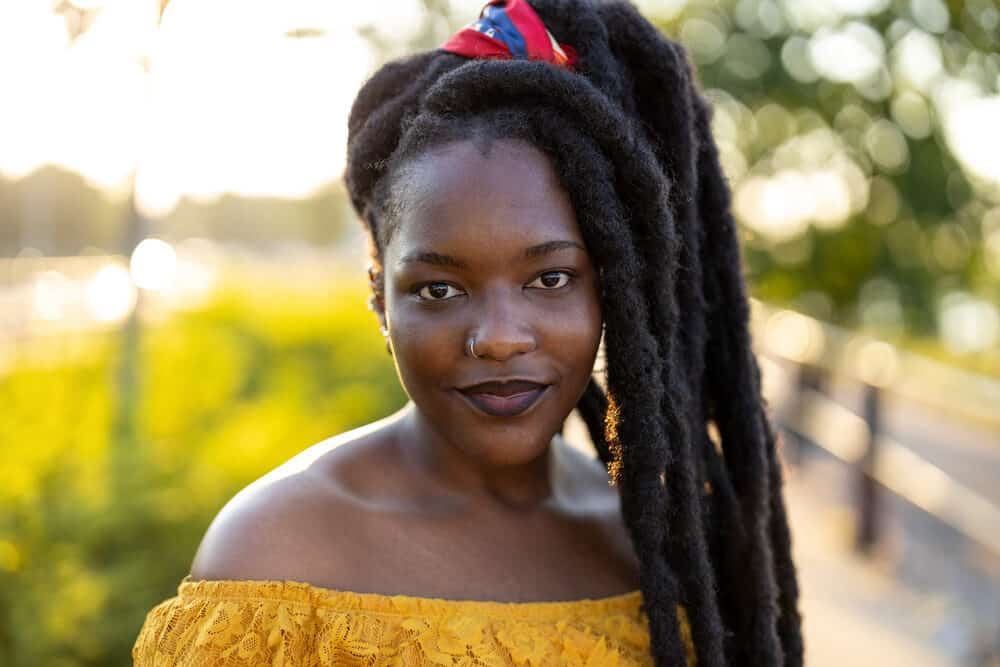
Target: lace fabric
289, 623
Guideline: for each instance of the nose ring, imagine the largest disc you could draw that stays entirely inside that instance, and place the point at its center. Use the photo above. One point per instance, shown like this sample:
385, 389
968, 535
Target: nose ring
472, 347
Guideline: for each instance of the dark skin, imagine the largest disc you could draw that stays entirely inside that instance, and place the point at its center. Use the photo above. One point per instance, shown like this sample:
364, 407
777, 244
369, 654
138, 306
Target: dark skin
440, 500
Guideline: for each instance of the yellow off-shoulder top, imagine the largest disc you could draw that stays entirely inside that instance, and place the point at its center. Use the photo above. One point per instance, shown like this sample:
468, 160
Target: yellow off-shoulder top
289, 623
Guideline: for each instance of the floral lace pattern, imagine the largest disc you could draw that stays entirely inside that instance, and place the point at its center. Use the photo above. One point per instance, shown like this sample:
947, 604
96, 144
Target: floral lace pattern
292, 624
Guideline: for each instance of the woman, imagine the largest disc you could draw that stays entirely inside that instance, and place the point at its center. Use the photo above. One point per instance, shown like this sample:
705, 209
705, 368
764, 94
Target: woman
545, 179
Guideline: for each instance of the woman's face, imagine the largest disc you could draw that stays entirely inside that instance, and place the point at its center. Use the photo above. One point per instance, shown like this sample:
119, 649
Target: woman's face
488, 247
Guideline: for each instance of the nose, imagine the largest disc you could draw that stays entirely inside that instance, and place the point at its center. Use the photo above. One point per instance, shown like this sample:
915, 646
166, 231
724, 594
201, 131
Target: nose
503, 330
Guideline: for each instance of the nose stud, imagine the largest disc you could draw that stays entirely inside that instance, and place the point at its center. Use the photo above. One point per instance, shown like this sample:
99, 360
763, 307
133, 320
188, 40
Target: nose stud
472, 347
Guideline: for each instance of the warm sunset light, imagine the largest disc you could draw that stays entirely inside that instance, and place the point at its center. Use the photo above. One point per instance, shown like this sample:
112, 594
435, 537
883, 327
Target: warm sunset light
218, 99
219, 431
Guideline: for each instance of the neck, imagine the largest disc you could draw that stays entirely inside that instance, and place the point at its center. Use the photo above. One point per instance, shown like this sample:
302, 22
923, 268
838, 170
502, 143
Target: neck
452, 469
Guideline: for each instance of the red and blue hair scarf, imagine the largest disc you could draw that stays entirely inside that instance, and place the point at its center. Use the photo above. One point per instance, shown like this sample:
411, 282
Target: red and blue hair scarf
508, 29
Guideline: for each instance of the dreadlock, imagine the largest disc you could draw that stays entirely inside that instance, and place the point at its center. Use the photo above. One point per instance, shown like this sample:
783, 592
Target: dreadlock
681, 425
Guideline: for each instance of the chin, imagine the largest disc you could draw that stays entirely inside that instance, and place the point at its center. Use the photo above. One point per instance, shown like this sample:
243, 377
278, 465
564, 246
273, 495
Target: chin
496, 440
509, 441
512, 452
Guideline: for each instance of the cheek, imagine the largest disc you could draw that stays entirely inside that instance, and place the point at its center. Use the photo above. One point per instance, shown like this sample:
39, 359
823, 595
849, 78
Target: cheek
427, 346
423, 335
571, 332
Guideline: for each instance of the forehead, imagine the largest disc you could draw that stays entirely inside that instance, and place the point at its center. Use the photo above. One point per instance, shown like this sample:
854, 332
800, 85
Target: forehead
475, 201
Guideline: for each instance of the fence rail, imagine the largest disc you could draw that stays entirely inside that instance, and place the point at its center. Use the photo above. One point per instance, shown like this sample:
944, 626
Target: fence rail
794, 337
857, 442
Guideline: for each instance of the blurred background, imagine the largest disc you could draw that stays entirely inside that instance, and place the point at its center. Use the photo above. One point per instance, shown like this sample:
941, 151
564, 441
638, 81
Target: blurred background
182, 292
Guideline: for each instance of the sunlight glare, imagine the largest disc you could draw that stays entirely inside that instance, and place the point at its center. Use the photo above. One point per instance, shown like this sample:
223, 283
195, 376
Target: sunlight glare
111, 296
230, 103
77, 103
153, 265
240, 107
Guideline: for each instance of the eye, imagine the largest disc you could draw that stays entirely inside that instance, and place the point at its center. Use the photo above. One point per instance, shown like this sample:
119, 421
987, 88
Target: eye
435, 292
552, 280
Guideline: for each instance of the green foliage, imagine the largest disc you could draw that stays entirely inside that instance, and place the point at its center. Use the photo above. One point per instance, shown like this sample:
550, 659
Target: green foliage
810, 91
99, 521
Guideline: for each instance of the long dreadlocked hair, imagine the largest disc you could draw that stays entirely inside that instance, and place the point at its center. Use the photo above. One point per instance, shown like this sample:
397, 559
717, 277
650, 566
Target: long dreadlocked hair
682, 426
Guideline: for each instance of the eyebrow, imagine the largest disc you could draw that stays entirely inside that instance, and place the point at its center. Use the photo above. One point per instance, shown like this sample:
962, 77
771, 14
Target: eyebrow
531, 252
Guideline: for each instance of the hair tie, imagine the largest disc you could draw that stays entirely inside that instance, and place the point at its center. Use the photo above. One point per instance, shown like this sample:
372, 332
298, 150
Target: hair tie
509, 29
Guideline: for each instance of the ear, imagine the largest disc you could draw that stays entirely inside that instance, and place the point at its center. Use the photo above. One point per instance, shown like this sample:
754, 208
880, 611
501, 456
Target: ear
376, 302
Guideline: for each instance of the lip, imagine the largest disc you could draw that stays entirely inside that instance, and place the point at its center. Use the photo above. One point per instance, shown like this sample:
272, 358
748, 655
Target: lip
490, 385
505, 406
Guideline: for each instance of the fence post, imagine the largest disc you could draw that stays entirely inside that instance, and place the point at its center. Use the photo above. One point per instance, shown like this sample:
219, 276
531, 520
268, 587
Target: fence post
868, 498
809, 377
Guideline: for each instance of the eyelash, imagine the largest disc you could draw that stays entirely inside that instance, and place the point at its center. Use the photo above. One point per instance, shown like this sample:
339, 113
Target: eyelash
571, 277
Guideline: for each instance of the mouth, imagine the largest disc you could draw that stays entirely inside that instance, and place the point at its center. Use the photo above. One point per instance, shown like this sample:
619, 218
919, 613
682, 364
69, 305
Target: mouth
522, 398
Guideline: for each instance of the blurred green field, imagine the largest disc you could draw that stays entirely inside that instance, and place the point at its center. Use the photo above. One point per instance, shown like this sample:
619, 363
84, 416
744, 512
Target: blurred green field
103, 501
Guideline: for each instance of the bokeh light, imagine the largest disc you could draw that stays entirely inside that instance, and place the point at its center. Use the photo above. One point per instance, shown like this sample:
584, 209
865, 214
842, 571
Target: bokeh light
52, 295
968, 324
153, 265
110, 294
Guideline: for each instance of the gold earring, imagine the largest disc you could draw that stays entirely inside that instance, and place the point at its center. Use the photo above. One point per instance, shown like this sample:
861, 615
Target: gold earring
388, 344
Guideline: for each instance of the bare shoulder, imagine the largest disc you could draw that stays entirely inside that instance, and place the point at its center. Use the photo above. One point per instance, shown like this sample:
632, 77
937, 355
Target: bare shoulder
599, 502
297, 522
253, 534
